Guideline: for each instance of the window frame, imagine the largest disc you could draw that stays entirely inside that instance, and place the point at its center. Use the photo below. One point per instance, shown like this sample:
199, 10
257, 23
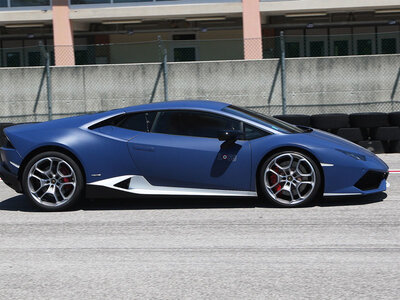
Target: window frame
220, 115
24, 7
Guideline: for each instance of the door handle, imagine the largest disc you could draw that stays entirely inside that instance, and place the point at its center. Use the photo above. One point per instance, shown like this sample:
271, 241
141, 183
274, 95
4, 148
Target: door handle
143, 148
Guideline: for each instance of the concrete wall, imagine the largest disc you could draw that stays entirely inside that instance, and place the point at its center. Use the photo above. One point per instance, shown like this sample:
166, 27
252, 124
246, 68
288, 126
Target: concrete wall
314, 85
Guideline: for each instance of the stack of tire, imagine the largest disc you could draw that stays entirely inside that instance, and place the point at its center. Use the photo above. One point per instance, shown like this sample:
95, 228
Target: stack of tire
378, 132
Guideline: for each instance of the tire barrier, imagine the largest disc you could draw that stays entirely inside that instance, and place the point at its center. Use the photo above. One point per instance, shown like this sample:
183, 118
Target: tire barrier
303, 120
369, 120
378, 132
352, 134
373, 146
330, 122
394, 118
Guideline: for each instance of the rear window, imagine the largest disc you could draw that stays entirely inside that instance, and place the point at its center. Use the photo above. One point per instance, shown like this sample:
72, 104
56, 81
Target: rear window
139, 121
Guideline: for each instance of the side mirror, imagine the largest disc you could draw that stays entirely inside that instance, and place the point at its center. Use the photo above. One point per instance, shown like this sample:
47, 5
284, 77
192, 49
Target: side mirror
229, 135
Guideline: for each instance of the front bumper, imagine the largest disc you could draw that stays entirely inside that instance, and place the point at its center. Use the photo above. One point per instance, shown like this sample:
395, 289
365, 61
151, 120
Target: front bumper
9, 178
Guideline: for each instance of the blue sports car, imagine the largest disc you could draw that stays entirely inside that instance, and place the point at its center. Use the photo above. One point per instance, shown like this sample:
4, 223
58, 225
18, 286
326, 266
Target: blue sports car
199, 148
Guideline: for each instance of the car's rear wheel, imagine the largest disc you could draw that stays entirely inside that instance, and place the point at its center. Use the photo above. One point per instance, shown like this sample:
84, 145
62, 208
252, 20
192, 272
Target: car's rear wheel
290, 179
52, 181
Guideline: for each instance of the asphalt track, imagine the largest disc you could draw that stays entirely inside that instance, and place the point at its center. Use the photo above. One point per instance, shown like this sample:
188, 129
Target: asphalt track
180, 248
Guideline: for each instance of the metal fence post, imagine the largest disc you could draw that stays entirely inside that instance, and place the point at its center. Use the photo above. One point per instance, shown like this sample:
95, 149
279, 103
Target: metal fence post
165, 73
283, 73
46, 55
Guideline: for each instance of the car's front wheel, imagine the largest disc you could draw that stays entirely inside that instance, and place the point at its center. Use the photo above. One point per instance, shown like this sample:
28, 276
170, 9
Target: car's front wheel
52, 181
290, 179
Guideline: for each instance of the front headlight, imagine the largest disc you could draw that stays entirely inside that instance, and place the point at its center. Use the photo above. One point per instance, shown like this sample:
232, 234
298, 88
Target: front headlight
353, 154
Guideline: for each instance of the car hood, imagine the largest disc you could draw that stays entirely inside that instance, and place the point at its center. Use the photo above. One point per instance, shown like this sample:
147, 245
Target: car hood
339, 142
333, 141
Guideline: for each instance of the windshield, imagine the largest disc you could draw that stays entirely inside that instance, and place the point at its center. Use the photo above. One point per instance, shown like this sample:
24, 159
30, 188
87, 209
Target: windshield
273, 123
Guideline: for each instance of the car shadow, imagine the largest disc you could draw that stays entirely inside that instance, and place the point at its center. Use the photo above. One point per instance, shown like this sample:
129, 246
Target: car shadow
21, 203
353, 200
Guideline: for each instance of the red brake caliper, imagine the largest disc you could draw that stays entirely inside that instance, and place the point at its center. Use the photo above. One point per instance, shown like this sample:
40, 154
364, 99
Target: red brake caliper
66, 179
273, 178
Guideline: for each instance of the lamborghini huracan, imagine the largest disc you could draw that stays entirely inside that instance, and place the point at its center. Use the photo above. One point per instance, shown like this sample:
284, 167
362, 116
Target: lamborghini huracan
193, 148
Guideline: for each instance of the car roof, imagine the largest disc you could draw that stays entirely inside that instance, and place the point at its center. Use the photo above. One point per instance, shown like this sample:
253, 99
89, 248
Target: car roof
179, 104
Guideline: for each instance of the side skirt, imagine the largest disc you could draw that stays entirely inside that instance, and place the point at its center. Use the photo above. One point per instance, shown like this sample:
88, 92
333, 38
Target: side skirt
138, 185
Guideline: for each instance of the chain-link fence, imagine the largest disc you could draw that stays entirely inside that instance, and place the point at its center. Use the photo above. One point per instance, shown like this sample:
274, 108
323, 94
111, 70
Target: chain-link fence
279, 85
185, 47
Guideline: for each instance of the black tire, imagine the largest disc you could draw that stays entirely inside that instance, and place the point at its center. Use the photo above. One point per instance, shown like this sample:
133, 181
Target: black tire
394, 147
394, 118
282, 197
71, 185
373, 146
330, 121
352, 134
369, 120
386, 133
303, 120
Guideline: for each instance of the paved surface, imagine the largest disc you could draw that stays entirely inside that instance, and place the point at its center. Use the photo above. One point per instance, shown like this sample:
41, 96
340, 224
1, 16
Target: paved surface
196, 248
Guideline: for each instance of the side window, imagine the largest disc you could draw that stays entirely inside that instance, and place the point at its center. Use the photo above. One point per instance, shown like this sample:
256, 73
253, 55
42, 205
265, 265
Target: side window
192, 123
252, 133
138, 121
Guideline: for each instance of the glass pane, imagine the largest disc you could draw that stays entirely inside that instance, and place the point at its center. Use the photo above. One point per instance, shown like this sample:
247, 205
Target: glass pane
33, 58
273, 123
196, 124
13, 59
340, 48
139, 122
17, 3
184, 54
389, 46
3, 3
364, 47
252, 133
90, 1
293, 49
183, 37
81, 57
317, 48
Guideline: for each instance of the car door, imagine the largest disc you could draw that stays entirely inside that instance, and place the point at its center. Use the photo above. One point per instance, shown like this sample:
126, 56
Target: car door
182, 150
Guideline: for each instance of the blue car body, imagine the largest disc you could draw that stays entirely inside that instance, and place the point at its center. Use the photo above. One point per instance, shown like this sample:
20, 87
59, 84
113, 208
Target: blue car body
183, 165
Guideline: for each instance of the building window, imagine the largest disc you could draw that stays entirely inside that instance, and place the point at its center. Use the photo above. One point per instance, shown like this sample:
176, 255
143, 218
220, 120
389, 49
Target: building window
185, 54
81, 57
389, 46
18, 3
125, 1
13, 59
3, 3
90, 1
364, 47
317, 48
184, 50
34, 58
293, 49
340, 48
183, 37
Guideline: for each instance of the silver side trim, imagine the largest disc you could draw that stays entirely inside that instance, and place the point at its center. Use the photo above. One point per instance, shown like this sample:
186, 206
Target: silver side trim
326, 165
139, 185
14, 164
341, 194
